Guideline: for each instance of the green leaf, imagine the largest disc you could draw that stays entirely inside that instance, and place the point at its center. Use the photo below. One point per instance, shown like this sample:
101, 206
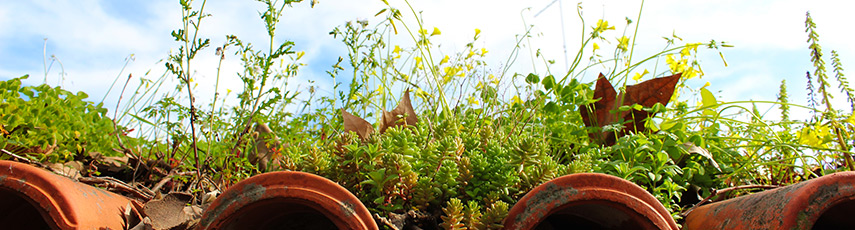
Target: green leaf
708, 98
381, 11
548, 82
142, 119
532, 79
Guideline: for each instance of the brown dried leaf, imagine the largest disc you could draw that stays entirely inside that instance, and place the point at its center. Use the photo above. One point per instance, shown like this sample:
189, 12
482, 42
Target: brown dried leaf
356, 124
647, 94
694, 149
266, 146
171, 211
604, 91
403, 114
69, 169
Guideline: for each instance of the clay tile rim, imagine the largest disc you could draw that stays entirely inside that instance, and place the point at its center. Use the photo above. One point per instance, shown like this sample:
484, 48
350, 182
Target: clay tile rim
590, 200
826, 202
271, 197
35, 198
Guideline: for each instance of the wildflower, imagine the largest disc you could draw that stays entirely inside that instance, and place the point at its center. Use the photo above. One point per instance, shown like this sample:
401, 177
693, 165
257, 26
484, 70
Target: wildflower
686, 51
816, 136
419, 64
602, 26
623, 43
472, 100
596, 46
516, 100
675, 65
435, 32
638, 76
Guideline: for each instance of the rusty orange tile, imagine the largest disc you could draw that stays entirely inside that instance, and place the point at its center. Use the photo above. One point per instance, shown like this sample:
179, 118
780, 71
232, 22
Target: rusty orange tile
295, 199
827, 202
588, 201
33, 198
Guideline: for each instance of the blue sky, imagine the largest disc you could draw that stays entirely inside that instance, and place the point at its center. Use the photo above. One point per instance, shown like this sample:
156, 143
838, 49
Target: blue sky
92, 39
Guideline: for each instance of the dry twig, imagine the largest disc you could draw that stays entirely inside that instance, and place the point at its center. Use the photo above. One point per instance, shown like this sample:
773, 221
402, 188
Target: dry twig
114, 183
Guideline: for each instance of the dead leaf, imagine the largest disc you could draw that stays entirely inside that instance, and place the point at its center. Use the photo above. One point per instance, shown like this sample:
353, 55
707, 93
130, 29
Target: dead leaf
356, 124
646, 94
145, 224
130, 216
267, 147
172, 211
694, 149
210, 197
69, 169
403, 114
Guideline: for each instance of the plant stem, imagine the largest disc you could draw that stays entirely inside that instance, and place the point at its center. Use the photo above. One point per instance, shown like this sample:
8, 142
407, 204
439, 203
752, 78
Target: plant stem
193, 116
634, 36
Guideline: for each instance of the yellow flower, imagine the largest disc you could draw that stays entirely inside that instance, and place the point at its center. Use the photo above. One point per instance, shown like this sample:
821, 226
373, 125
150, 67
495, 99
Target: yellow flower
623, 43
397, 49
484, 51
705, 85
473, 101
691, 47
602, 26
685, 52
419, 64
817, 136
689, 73
638, 76
675, 65
477, 32
423, 31
471, 53
444, 60
596, 46
421, 93
380, 89
516, 100
435, 32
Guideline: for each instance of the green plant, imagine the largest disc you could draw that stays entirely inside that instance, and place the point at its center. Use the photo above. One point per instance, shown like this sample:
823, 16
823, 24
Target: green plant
49, 124
482, 139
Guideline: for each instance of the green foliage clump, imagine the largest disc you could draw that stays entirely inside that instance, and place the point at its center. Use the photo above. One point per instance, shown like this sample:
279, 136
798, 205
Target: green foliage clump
52, 124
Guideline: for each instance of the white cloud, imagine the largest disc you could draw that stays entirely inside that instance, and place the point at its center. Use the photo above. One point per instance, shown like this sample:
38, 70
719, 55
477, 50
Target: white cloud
93, 39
